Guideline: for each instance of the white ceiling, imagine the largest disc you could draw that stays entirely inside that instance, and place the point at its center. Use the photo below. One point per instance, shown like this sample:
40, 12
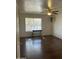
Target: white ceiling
34, 6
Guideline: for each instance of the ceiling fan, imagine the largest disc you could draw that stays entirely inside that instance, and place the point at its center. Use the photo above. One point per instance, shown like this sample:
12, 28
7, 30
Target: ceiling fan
49, 10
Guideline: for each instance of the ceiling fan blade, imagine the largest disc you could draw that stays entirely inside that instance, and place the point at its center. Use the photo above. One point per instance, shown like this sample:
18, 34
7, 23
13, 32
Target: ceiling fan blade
45, 9
55, 13
43, 13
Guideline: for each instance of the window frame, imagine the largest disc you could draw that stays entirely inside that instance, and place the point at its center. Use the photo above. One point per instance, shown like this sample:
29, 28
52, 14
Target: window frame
32, 18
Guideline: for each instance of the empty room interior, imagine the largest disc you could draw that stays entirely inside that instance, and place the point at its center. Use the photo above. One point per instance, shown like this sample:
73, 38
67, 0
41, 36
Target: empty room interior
39, 29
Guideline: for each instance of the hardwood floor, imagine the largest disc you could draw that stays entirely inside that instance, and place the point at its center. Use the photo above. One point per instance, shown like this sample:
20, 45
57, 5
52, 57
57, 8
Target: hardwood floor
36, 48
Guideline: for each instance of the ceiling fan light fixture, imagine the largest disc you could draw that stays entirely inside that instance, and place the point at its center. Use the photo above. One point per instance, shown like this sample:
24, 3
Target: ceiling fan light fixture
49, 13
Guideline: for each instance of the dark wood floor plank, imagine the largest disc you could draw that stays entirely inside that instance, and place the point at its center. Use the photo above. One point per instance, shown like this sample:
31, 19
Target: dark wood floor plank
37, 48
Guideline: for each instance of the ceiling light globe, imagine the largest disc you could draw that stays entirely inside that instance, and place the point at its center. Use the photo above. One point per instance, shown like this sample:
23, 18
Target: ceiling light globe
49, 14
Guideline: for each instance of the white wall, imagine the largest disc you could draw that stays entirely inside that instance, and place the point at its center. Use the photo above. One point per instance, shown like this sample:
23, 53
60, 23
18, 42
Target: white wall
57, 23
57, 26
46, 24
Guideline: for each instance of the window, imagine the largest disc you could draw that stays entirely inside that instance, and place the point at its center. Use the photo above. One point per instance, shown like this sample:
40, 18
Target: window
32, 24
